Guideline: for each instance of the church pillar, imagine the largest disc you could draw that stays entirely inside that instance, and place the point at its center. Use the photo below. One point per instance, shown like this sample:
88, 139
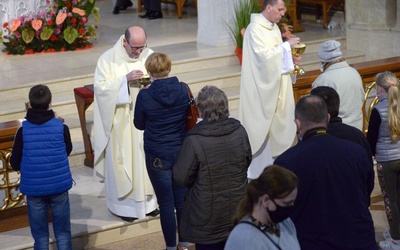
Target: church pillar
373, 28
397, 26
213, 17
368, 14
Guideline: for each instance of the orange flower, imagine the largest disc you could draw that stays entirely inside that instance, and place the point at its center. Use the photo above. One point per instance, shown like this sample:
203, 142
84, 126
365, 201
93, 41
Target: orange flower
61, 17
15, 24
78, 11
37, 24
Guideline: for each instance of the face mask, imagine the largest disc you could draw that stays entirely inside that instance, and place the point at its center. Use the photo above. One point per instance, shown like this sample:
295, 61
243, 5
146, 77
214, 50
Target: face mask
281, 213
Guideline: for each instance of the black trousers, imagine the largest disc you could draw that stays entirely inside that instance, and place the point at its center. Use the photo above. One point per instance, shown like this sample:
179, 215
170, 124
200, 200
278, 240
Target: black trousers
120, 3
154, 5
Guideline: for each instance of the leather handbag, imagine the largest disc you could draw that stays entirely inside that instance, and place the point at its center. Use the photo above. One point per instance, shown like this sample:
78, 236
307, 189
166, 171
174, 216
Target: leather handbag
193, 112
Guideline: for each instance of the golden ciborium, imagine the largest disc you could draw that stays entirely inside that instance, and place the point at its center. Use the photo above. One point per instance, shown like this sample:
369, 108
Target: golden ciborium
145, 80
298, 50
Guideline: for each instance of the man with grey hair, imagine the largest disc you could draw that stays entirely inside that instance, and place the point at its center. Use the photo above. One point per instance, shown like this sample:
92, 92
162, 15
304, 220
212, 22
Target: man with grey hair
339, 75
336, 179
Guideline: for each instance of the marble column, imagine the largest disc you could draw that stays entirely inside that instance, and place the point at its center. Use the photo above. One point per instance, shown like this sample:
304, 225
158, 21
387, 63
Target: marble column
213, 18
397, 26
368, 14
373, 28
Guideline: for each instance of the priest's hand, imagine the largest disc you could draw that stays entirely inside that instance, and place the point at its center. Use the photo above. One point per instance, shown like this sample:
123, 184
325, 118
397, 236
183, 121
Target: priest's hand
296, 59
294, 40
134, 75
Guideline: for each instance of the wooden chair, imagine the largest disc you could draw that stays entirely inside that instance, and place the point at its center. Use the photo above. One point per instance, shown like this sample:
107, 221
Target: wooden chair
292, 12
178, 5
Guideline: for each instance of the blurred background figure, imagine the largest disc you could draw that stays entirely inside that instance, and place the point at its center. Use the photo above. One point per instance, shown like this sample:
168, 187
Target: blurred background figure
262, 218
121, 5
346, 80
212, 164
383, 136
153, 9
161, 109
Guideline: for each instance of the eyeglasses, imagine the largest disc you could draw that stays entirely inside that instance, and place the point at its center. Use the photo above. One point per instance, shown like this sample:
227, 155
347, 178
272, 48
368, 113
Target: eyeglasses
134, 49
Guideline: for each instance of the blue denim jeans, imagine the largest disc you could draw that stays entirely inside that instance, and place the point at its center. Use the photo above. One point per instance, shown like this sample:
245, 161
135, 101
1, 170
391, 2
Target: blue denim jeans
170, 196
60, 212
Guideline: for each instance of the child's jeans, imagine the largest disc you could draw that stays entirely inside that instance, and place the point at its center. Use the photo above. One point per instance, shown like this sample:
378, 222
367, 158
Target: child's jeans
60, 212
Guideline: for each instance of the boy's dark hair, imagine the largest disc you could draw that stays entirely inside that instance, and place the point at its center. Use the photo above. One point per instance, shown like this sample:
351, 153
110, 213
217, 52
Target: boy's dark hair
40, 97
331, 98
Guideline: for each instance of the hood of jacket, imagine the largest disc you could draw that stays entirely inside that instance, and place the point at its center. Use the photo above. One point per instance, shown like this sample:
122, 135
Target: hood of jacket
39, 117
166, 91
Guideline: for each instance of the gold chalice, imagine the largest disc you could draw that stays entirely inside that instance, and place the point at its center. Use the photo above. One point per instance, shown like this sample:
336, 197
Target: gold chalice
144, 80
298, 50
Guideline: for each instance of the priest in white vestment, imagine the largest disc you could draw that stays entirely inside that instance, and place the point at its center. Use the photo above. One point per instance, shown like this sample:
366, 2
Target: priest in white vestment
118, 145
266, 95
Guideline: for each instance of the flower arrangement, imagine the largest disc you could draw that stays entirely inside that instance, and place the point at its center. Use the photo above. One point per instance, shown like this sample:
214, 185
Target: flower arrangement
61, 26
284, 26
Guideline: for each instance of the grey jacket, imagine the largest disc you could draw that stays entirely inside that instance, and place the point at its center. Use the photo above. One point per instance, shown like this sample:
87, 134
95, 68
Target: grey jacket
386, 150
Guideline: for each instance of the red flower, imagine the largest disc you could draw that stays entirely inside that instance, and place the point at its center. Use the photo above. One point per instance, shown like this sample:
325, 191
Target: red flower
49, 22
73, 20
68, 4
5, 25
53, 38
81, 31
13, 43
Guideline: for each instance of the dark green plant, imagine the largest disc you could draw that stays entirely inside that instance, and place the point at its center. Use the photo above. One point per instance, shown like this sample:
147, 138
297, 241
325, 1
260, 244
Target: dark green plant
242, 12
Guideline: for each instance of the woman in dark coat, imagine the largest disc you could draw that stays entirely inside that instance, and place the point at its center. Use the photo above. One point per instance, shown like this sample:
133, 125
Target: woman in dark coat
213, 164
160, 111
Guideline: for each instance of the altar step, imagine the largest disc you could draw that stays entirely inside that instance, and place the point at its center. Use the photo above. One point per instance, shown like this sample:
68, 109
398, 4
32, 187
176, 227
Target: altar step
194, 64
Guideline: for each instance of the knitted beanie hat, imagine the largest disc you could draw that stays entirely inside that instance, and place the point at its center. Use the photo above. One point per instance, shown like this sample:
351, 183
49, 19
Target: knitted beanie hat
329, 51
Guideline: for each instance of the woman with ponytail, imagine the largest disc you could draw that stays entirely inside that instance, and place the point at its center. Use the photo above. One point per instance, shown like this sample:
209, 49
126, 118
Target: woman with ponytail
262, 218
383, 137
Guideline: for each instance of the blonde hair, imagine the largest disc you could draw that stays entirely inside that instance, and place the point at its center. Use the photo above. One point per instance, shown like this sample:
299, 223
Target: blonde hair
389, 82
158, 65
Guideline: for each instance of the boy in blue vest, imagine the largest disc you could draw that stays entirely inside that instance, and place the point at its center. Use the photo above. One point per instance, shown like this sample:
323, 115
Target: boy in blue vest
40, 152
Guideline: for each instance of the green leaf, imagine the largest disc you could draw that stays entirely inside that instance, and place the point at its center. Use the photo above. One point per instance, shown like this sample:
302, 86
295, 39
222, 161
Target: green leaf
27, 35
242, 12
46, 33
96, 14
70, 35
89, 5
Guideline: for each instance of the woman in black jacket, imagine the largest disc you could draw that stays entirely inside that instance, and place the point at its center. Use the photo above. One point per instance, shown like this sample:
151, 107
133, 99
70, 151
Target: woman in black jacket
160, 111
213, 164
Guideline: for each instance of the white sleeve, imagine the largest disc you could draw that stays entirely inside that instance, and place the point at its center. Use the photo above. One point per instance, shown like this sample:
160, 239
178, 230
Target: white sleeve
287, 65
124, 96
